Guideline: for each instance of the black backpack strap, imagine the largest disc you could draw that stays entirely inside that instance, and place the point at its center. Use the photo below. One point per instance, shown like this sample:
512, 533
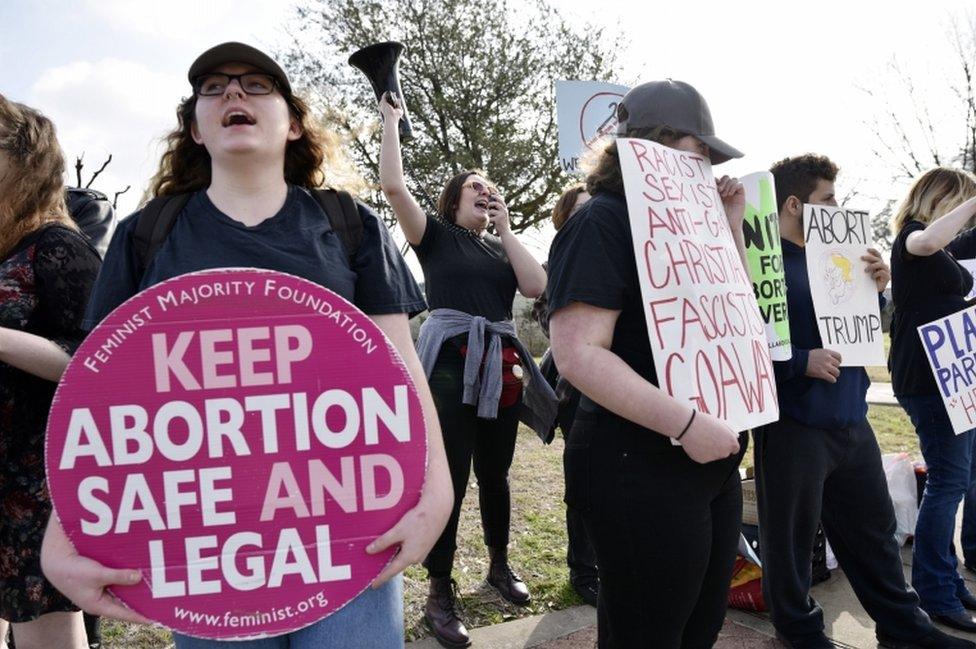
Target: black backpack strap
155, 222
344, 217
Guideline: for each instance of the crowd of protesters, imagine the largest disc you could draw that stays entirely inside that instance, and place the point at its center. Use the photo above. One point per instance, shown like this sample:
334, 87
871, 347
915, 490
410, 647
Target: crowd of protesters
652, 526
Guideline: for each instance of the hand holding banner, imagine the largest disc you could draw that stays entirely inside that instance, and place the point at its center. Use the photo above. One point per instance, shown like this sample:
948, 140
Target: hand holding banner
239, 436
845, 297
705, 329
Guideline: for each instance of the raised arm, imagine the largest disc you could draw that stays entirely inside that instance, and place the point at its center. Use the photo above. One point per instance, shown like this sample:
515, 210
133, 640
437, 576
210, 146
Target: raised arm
419, 528
937, 235
581, 335
408, 212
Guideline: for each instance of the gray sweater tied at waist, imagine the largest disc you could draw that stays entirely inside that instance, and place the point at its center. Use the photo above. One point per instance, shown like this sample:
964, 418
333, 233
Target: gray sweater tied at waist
539, 404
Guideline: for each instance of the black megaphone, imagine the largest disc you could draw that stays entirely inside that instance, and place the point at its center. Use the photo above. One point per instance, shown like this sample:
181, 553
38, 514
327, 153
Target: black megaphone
380, 62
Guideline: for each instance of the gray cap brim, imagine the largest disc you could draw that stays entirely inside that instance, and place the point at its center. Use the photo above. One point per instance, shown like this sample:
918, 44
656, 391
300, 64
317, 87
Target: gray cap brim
718, 150
233, 52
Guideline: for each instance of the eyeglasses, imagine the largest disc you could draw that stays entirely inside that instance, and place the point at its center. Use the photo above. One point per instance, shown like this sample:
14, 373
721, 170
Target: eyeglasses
480, 187
252, 83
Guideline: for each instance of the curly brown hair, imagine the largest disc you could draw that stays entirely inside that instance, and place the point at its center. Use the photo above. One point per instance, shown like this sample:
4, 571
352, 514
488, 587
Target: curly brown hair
185, 165
604, 173
798, 176
33, 187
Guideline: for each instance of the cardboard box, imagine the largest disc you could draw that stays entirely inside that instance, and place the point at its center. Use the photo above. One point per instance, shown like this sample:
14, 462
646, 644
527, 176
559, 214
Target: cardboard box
750, 507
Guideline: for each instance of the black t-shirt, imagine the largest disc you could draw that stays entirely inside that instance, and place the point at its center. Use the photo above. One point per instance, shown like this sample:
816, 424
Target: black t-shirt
923, 289
592, 261
466, 272
298, 240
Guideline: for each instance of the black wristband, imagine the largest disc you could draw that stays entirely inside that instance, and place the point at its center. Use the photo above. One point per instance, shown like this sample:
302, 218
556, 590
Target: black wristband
687, 426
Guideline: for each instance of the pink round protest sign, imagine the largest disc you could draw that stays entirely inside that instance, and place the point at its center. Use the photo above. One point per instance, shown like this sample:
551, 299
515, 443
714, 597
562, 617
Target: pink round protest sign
238, 436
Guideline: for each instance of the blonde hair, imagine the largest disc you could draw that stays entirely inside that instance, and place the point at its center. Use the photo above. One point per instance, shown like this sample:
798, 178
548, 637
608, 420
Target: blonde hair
33, 188
933, 195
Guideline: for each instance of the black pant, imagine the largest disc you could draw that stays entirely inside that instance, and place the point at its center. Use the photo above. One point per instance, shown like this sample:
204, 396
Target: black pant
580, 555
489, 442
665, 531
805, 475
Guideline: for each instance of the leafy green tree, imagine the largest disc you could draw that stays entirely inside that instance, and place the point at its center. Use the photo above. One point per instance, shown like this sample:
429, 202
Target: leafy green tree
478, 81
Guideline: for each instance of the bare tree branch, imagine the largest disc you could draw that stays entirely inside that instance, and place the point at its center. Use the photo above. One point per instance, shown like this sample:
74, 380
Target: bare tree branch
115, 199
100, 170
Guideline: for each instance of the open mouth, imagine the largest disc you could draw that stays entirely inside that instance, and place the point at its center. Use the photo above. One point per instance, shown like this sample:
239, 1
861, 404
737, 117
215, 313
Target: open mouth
235, 117
481, 203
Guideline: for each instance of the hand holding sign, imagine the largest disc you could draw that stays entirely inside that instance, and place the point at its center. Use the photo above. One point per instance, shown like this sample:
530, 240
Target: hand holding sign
877, 268
84, 581
733, 196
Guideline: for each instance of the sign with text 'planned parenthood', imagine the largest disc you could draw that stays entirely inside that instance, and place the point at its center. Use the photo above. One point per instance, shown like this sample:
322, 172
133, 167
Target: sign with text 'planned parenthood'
238, 436
950, 345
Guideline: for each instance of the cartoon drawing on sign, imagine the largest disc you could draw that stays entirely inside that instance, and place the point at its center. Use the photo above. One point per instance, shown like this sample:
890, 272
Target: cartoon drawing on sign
836, 269
586, 112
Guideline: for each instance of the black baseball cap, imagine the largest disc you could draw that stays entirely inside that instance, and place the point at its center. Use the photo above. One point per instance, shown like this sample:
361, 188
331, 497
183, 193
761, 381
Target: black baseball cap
232, 52
678, 106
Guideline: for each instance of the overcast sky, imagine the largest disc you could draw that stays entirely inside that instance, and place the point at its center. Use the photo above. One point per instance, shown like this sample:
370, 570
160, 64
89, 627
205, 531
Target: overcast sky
781, 77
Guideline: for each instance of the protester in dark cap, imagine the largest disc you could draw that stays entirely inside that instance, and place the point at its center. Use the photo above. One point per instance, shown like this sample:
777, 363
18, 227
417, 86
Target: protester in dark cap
248, 156
663, 519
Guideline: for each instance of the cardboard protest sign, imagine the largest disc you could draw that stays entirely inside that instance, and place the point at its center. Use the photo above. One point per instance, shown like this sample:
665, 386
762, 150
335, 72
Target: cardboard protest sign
950, 345
239, 436
708, 339
845, 297
970, 265
764, 256
586, 111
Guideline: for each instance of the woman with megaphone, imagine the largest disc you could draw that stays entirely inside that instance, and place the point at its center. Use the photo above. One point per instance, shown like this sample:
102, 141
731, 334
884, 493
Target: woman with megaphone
470, 280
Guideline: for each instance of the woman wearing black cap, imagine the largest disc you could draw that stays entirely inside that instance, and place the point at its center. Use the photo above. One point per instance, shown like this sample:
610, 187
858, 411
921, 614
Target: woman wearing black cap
247, 155
663, 519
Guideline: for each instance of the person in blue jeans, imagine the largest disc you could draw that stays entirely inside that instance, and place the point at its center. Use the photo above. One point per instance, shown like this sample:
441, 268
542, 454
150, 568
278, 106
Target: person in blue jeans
928, 283
247, 152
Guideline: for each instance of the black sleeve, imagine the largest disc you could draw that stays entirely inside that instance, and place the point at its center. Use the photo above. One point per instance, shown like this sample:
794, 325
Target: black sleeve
94, 215
384, 284
433, 231
118, 280
901, 239
964, 245
592, 260
65, 266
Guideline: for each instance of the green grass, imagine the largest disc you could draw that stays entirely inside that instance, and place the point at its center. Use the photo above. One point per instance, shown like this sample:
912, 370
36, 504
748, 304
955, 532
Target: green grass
538, 541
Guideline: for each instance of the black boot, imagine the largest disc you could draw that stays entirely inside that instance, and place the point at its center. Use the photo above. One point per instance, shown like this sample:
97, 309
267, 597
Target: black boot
441, 616
504, 580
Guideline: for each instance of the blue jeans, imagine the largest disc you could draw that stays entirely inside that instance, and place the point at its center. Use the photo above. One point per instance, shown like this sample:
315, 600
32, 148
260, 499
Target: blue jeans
374, 620
969, 526
950, 459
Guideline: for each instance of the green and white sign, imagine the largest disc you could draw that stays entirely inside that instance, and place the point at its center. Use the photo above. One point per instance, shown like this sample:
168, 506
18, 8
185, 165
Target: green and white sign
764, 254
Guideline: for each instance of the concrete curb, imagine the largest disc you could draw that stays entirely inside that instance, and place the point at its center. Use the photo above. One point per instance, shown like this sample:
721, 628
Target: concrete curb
524, 632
